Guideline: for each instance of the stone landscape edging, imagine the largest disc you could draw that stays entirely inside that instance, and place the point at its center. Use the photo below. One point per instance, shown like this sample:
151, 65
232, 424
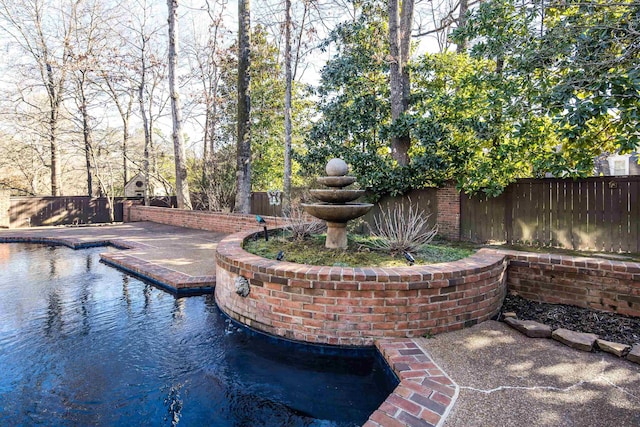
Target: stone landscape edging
574, 339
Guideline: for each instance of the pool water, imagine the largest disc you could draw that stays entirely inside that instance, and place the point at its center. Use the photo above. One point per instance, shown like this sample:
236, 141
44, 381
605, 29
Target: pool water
82, 343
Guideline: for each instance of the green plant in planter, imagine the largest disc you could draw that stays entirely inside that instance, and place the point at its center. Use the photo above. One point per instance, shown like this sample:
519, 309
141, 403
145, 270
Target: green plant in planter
401, 229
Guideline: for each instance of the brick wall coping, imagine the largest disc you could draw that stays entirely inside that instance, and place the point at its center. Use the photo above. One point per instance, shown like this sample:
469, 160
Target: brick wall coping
222, 222
574, 261
404, 278
354, 306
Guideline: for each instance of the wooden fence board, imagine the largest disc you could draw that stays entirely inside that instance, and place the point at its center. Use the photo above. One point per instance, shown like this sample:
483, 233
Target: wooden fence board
634, 217
39, 211
600, 213
590, 228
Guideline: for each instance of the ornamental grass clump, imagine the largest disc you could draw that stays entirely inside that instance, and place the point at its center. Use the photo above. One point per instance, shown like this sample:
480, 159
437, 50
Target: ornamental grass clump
401, 229
301, 225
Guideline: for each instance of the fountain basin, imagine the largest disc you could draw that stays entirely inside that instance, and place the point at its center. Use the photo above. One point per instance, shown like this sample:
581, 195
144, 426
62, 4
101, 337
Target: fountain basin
336, 196
337, 213
336, 181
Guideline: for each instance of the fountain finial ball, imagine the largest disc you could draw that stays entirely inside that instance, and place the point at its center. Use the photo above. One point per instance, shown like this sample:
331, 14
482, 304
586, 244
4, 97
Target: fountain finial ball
337, 167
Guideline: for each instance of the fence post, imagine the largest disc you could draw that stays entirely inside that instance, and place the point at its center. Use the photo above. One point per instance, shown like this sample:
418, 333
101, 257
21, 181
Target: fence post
5, 205
448, 217
508, 213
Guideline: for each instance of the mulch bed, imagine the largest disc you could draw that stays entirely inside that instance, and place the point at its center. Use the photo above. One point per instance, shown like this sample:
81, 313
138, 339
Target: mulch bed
608, 326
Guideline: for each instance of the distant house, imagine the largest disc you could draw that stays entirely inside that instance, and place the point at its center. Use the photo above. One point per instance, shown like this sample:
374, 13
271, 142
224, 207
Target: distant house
137, 186
617, 165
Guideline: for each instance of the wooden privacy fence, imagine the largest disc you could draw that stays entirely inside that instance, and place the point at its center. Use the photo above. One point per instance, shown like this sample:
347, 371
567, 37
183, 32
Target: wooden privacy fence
37, 211
600, 213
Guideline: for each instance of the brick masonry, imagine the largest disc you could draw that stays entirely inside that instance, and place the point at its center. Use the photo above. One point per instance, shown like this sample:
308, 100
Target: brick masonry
199, 220
581, 281
448, 212
425, 394
355, 306
584, 282
447, 199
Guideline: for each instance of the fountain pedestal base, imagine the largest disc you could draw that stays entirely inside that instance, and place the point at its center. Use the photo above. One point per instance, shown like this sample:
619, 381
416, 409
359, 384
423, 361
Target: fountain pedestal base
336, 235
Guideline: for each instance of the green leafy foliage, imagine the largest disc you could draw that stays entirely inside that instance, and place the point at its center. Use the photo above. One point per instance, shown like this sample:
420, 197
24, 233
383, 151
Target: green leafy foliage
545, 89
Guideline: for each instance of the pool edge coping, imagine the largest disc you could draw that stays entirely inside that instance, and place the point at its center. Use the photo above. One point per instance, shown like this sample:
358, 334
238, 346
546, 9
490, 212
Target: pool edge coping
425, 395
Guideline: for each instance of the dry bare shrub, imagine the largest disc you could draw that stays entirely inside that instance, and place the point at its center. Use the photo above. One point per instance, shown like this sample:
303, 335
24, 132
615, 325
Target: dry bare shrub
401, 229
300, 224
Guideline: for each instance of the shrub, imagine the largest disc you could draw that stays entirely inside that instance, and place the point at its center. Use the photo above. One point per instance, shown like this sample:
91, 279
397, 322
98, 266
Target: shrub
401, 229
300, 224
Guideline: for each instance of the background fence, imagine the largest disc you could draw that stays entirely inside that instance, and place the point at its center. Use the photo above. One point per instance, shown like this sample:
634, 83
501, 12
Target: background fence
599, 213
37, 211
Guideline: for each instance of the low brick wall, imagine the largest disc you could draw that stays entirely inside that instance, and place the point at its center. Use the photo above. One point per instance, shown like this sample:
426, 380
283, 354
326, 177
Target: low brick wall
355, 306
200, 220
585, 282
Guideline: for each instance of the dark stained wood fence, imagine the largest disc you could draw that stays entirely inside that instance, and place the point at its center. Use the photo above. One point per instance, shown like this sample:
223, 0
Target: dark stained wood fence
424, 200
601, 213
260, 205
260, 202
37, 211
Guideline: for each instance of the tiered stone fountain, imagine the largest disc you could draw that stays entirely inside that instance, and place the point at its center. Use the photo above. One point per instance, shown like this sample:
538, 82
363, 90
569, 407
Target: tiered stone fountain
337, 207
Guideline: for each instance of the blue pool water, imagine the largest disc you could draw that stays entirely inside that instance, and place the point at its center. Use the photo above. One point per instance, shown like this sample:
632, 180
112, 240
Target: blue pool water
82, 343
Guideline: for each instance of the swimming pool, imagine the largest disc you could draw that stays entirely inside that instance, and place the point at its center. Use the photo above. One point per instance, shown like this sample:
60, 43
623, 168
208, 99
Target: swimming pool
82, 343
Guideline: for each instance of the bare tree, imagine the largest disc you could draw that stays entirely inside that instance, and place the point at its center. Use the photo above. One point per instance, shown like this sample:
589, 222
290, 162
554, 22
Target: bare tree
148, 73
208, 58
182, 186
44, 32
243, 177
438, 18
90, 41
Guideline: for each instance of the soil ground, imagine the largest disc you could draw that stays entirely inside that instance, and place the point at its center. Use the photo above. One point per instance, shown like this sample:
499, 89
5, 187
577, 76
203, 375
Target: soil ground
608, 326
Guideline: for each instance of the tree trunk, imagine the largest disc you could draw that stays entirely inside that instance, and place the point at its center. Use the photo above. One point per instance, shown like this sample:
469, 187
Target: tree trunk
54, 105
286, 200
462, 20
147, 133
125, 147
399, 80
125, 139
86, 132
182, 185
243, 156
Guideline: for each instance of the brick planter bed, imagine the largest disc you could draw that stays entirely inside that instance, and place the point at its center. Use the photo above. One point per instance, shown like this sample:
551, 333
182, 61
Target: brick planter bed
355, 306
595, 283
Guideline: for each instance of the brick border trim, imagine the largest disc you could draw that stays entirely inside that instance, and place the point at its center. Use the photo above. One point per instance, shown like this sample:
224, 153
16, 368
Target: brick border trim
173, 281
355, 306
425, 395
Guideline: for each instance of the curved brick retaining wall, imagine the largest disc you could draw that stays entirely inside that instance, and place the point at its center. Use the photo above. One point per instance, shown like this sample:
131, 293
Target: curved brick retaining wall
355, 306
